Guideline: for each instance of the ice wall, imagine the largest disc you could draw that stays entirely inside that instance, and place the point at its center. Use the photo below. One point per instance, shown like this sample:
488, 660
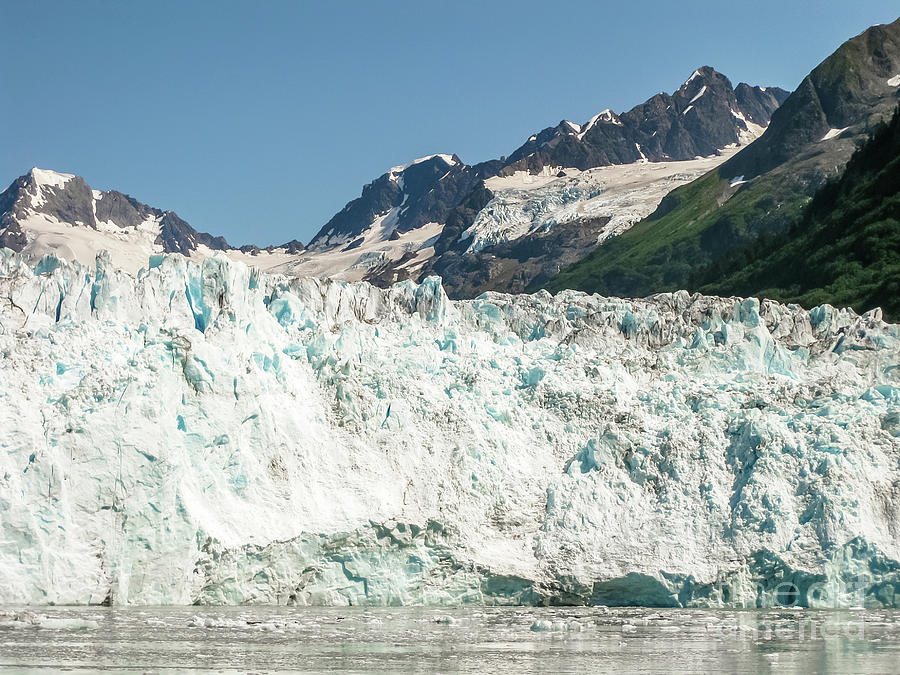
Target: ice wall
206, 433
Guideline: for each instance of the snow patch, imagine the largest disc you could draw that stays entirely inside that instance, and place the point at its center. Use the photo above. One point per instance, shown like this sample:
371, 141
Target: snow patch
528, 181
129, 248
701, 92
449, 159
833, 133
42, 178
894, 81
606, 115
751, 130
51, 178
377, 248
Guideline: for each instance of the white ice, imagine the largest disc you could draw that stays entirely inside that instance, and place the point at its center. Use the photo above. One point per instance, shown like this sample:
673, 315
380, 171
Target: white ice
208, 433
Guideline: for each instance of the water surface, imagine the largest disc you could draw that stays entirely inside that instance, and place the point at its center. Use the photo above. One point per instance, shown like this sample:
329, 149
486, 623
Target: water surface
469, 640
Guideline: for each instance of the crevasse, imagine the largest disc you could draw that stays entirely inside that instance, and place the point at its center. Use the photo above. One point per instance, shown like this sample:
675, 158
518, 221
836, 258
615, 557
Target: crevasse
206, 433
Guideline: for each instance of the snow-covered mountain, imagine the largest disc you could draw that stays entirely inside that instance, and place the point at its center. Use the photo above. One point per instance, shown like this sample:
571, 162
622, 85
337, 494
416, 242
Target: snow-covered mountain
500, 224
504, 223
703, 116
46, 212
760, 192
203, 432
405, 198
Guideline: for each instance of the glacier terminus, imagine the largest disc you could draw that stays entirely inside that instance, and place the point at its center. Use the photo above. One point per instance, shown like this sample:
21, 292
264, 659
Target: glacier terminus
203, 432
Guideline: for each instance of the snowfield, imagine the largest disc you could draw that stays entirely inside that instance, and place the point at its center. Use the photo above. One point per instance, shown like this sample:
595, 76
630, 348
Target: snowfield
524, 203
208, 433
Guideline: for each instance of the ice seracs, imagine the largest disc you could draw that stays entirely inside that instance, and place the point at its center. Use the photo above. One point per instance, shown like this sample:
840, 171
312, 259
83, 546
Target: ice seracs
524, 203
207, 433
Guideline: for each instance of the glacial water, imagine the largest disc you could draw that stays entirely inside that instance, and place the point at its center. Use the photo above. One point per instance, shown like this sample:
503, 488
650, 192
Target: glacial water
469, 640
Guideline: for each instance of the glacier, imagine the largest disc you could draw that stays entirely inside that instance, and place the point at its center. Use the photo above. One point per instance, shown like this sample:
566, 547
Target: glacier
623, 194
203, 432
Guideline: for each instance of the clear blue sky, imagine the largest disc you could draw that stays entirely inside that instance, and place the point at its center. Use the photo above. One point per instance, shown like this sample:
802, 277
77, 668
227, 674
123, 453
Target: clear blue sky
260, 120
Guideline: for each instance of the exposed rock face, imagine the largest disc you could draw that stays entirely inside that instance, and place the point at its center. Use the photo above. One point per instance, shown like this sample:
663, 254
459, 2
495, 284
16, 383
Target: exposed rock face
177, 236
403, 199
703, 116
123, 210
757, 104
850, 89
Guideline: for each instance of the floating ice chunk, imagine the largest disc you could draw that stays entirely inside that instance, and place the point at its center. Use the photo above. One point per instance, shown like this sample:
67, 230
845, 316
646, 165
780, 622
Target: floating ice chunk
55, 623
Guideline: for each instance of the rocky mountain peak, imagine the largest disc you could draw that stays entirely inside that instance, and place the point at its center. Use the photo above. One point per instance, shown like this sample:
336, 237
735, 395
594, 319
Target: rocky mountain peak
704, 115
46, 211
856, 85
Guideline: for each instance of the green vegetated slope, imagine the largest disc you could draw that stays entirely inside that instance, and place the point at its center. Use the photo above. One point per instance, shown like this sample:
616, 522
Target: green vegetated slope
664, 251
845, 247
762, 191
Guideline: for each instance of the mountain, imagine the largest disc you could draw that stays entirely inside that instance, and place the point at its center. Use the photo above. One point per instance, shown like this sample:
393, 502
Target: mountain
705, 115
501, 224
46, 212
762, 190
504, 223
405, 198
204, 433
845, 248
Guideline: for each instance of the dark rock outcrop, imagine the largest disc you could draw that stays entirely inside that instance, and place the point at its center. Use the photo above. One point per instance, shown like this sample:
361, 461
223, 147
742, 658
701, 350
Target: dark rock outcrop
703, 116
